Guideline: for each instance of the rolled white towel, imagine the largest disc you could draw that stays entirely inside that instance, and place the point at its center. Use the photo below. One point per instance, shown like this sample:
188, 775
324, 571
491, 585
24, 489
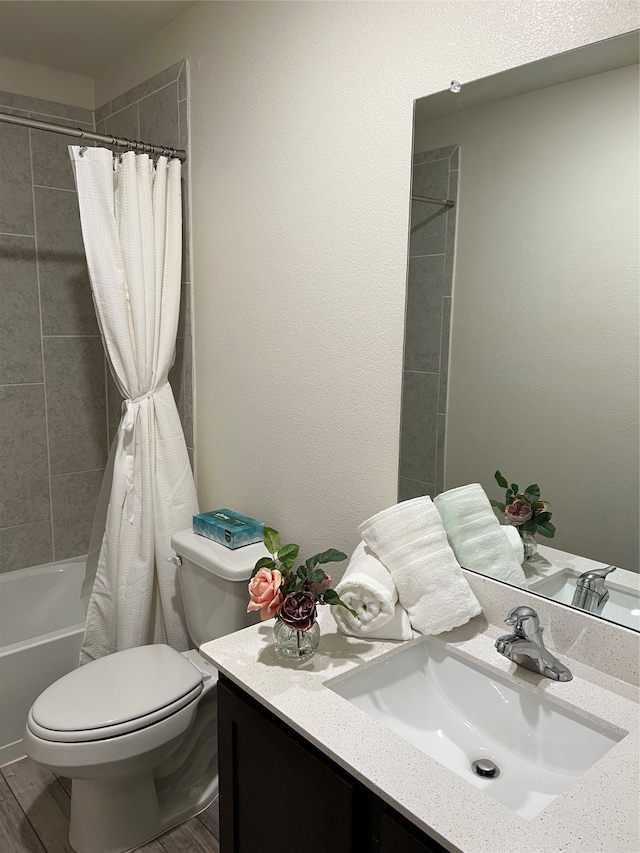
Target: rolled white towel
515, 540
368, 588
476, 536
411, 542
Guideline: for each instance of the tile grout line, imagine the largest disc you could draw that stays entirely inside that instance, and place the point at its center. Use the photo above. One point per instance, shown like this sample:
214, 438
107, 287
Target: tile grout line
44, 376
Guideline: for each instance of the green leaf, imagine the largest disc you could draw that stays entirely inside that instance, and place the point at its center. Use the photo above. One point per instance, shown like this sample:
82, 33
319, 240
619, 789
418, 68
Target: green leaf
302, 572
498, 505
287, 554
542, 517
535, 505
329, 556
331, 597
315, 576
528, 526
263, 563
501, 480
532, 493
547, 529
514, 488
509, 497
271, 539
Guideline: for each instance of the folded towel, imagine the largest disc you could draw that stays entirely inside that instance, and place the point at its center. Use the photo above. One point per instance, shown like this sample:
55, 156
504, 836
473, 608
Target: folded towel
476, 536
411, 542
368, 588
515, 540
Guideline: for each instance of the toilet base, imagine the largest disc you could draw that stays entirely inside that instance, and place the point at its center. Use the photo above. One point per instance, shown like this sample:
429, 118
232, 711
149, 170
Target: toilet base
118, 816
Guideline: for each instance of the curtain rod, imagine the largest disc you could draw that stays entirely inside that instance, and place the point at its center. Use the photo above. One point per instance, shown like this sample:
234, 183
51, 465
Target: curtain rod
89, 136
445, 201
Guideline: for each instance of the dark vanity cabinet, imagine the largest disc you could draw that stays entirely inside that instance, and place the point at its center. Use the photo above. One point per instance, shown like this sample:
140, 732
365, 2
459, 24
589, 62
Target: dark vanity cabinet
279, 793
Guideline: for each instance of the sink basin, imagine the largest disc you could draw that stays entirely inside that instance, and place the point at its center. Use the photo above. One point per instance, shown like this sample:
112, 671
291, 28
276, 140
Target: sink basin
623, 606
457, 712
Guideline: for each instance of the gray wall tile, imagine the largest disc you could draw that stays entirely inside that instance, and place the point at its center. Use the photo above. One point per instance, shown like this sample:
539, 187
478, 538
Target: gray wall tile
27, 545
423, 329
16, 207
102, 112
428, 325
159, 117
58, 226
50, 156
183, 91
51, 109
76, 403
418, 432
435, 154
65, 296
20, 343
74, 497
124, 123
444, 355
24, 467
114, 401
408, 489
169, 75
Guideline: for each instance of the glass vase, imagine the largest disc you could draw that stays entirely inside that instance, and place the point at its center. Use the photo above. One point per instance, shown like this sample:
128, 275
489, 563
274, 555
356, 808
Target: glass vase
529, 543
290, 643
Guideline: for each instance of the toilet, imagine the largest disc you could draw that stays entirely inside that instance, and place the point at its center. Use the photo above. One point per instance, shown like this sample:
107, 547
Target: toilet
136, 731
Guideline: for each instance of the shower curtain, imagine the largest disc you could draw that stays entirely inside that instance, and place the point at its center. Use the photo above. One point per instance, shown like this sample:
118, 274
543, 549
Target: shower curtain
130, 212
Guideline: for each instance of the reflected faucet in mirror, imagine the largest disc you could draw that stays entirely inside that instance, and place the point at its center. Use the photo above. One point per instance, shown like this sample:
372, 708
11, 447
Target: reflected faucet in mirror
591, 593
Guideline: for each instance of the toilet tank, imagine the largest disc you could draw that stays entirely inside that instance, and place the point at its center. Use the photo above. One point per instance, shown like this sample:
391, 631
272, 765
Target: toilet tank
214, 584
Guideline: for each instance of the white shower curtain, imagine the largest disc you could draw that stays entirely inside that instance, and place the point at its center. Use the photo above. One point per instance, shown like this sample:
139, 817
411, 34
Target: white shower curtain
130, 211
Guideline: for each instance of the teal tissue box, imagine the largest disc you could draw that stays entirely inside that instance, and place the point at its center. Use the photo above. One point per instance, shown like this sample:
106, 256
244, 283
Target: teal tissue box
228, 528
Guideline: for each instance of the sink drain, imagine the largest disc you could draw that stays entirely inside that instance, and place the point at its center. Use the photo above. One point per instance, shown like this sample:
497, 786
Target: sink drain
485, 768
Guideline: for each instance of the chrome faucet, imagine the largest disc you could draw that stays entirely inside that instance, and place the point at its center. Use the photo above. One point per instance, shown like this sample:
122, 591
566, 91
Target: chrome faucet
526, 647
591, 593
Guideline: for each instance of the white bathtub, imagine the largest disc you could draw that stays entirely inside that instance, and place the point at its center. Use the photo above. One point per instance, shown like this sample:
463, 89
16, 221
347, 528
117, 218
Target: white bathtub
41, 625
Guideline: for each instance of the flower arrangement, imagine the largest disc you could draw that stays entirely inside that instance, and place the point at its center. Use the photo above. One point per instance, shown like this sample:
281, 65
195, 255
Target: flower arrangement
525, 510
278, 589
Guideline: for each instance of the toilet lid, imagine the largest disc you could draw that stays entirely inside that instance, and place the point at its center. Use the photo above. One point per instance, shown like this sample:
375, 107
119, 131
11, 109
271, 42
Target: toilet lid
116, 694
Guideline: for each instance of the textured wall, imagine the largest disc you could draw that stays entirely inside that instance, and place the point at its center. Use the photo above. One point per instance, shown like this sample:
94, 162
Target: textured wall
301, 127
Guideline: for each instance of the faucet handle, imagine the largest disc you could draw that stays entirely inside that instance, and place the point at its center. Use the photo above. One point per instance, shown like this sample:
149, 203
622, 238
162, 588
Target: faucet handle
524, 620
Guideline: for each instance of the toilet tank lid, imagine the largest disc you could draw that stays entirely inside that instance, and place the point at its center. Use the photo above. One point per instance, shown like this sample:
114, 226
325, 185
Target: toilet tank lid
228, 564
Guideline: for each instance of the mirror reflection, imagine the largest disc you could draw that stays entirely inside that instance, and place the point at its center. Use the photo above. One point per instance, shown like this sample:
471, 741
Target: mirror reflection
521, 339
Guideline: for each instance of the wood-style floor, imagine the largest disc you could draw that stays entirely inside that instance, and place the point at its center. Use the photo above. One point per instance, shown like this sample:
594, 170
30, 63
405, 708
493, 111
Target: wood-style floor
34, 817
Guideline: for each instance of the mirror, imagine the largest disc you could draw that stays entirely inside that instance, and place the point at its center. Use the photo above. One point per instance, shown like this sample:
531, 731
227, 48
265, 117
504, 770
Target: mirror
521, 335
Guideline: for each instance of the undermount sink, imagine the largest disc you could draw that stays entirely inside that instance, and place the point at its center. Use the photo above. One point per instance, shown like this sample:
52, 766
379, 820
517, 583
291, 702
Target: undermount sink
457, 712
623, 606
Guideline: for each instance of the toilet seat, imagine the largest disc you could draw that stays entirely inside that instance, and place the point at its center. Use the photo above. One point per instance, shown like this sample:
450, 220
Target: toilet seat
116, 695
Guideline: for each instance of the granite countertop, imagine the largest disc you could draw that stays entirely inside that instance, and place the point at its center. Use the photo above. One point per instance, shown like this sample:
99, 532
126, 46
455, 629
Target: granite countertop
597, 814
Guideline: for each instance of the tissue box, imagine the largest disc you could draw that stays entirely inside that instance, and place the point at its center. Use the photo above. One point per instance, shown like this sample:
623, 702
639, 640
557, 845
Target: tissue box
228, 528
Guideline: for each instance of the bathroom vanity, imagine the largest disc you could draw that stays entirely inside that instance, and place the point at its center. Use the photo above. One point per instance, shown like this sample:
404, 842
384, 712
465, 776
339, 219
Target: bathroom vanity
302, 765
277, 789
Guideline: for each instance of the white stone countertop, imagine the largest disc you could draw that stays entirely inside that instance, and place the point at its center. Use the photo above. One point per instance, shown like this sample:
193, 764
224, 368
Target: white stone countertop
599, 813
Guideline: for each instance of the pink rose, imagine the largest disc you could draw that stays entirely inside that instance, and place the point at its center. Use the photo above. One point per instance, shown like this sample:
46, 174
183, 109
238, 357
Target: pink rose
518, 512
318, 588
298, 610
264, 591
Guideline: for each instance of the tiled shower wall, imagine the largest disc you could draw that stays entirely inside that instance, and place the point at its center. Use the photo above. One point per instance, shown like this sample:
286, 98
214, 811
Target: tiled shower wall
427, 325
58, 405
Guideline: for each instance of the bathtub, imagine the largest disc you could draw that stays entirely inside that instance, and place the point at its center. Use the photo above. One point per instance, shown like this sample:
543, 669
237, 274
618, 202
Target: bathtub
41, 625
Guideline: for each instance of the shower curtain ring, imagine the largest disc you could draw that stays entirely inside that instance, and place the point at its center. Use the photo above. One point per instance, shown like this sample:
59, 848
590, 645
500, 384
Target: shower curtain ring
83, 148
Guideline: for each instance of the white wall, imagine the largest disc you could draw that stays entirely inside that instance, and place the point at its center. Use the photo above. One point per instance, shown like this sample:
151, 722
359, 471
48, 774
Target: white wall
543, 379
301, 123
